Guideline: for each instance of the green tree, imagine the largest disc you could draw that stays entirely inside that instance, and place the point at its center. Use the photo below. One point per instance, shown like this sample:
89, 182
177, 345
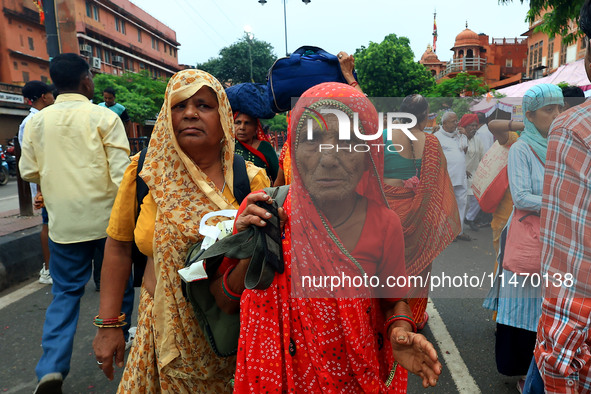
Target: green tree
557, 20
388, 69
276, 123
462, 84
233, 63
138, 92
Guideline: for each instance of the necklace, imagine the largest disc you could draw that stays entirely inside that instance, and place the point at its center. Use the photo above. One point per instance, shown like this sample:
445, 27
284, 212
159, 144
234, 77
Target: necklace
350, 214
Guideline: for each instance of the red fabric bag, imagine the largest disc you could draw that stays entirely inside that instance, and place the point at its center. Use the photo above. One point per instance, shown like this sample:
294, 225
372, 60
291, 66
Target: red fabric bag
491, 180
523, 248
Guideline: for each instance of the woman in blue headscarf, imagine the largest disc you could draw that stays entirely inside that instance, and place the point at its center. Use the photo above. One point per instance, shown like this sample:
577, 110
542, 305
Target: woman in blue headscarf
519, 301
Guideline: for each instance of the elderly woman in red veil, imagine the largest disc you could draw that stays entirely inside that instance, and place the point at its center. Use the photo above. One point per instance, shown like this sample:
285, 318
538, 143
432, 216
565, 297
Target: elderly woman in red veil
419, 190
320, 339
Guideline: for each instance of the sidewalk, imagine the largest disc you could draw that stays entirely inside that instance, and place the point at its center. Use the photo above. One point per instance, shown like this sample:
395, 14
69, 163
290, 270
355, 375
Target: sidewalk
20, 248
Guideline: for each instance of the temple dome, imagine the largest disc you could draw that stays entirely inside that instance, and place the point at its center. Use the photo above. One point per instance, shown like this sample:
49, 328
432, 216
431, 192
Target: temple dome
429, 56
467, 38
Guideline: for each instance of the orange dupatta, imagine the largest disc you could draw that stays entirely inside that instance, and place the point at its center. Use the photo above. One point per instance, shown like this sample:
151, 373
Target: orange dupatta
429, 217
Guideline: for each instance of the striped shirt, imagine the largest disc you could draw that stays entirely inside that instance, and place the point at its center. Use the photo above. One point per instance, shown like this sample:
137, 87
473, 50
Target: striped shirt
563, 345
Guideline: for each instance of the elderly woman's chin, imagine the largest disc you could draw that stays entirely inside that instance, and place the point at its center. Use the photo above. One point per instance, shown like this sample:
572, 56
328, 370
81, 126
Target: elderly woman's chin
331, 191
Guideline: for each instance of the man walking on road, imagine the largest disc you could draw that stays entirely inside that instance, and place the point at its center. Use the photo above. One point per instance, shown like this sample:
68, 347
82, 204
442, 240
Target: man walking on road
78, 153
41, 95
454, 147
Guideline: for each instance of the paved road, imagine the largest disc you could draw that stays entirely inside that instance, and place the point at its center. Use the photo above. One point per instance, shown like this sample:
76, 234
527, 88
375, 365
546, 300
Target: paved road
9, 196
461, 329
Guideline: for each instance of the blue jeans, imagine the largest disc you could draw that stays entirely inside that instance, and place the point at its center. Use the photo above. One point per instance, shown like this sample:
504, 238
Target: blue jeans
533, 382
70, 267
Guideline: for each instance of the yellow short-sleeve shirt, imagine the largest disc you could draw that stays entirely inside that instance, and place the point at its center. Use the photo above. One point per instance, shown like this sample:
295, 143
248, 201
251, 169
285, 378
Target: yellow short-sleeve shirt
122, 223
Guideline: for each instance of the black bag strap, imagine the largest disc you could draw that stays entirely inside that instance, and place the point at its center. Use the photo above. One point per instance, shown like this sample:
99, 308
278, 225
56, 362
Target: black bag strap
141, 190
241, 181
138, 259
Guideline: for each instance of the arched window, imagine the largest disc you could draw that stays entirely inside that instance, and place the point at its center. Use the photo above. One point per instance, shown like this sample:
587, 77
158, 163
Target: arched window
470, 53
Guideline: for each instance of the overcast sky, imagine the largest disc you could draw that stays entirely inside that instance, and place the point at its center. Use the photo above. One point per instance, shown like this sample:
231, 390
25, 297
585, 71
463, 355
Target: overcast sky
203, 27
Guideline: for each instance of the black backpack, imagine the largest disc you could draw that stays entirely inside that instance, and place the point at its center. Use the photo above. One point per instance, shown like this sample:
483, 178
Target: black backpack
241, 190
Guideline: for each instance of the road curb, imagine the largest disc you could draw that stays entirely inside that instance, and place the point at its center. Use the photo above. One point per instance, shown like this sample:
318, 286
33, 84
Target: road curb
21, 256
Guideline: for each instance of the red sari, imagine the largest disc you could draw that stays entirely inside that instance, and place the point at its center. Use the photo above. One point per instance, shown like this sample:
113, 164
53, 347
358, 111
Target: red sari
429, 217
334, 345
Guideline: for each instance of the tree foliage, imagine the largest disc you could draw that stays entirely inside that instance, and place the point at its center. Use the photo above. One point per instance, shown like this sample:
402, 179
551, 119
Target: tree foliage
462, 84
276, 123
558, 21
388, 69
233, 62
138, 92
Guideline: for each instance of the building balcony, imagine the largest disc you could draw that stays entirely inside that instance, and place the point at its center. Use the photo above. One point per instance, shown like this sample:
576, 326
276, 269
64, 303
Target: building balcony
509, 41
473, 65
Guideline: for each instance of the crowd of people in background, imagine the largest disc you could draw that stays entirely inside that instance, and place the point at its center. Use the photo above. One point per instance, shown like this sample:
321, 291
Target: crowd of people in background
101, 207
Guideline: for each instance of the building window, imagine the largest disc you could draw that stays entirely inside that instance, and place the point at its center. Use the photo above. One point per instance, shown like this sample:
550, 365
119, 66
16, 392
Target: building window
31, 44
562, 54
107, 56
155, 44
95, 12
508, 62
25, 76
22, 41
120, 25
15, 65
99, 53
88, 9
139, 35
43, 79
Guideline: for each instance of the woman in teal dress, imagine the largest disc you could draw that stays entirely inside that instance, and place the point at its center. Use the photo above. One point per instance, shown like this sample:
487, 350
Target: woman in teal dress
251, 144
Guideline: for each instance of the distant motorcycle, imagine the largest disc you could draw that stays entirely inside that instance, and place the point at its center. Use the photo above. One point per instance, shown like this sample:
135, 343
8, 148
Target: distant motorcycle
4, 171
10, 160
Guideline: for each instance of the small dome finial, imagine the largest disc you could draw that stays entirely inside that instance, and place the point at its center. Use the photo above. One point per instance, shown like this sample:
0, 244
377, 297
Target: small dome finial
466, 23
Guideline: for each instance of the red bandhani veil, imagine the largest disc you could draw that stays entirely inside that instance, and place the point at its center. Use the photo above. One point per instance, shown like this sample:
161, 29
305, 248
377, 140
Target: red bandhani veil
333, 345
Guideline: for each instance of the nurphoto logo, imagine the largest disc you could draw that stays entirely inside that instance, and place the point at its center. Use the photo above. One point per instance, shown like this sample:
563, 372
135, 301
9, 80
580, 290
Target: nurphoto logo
344, 123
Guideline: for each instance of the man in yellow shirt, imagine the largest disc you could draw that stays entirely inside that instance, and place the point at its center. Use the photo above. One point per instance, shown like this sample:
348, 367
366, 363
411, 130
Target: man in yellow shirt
77, 152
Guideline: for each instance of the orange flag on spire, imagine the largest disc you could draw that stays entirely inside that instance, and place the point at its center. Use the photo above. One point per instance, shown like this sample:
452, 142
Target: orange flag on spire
39, 4
435, 32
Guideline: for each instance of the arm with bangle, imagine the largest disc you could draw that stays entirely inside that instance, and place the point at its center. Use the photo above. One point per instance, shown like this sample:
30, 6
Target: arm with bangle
347, 63
411, 350
109, 343
227, 286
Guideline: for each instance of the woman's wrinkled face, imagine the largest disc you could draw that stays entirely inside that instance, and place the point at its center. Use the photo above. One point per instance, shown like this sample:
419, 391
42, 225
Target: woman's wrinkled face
245, 127
329, 169
542, 118
196, 122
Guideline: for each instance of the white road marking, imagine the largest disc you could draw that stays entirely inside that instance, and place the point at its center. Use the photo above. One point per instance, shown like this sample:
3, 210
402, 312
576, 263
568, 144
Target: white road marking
450, 353
8, 198
21, 293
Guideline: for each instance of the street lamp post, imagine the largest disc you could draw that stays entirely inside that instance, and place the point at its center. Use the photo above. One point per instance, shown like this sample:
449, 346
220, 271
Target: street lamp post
263, 2
249, 35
